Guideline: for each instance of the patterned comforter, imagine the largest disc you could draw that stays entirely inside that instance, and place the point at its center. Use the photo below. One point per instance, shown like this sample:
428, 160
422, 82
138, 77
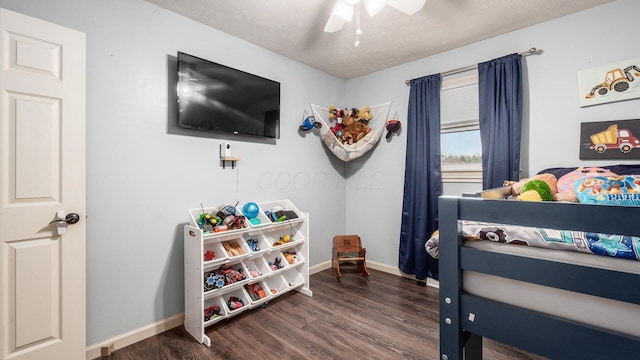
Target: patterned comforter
619, 246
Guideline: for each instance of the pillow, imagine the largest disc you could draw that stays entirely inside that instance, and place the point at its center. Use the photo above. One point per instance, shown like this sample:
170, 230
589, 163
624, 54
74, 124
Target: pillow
609, 190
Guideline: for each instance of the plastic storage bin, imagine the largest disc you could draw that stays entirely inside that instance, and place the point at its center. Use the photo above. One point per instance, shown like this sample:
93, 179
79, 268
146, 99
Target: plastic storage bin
276, 285
195, 215
236, 301
213, 306
257, 268
294, 258
235, 248
257, 292
286, 206
293, 279
257, 243
276, 262
219, 280
213, 254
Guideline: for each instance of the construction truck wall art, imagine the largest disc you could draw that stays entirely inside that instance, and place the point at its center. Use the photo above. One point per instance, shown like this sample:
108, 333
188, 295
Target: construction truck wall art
609, 83
613, 140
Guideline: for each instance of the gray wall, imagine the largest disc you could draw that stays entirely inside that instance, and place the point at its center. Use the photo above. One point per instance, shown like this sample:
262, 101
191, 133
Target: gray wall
552, 120
143, 173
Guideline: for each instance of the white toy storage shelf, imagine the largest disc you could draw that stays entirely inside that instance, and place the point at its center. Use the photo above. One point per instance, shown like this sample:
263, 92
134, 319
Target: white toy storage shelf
209, 300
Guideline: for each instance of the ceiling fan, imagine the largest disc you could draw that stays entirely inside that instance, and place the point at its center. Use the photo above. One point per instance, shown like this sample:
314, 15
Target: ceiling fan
343, 10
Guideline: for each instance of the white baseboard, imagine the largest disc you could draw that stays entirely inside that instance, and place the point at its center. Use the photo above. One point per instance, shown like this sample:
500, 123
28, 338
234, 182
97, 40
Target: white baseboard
320, 267
139, 334
393, 270
135, 335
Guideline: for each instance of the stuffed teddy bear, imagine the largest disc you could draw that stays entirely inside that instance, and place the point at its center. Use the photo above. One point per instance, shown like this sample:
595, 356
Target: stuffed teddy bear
353, 130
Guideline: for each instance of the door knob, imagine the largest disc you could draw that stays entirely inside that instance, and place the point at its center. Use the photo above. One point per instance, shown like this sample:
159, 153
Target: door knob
72, 218
62, 220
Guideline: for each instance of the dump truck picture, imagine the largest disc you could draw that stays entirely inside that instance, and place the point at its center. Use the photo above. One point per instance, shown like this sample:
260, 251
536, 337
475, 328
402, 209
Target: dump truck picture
615, 79
612, 138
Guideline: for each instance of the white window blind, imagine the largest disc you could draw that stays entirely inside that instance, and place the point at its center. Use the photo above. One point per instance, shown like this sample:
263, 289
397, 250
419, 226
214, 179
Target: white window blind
459, 126
459, 107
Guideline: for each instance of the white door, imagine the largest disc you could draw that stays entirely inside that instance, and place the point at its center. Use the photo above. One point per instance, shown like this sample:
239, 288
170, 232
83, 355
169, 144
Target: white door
42, 172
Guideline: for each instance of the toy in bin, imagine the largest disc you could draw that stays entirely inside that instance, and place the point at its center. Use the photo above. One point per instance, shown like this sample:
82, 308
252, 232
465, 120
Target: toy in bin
222, 276
251, 211
278, 214
255, 291
209, 255
253, 269
220, 219
291, 257
253, 244
283, 240
232, 248
276, 264
211, 312
235, 303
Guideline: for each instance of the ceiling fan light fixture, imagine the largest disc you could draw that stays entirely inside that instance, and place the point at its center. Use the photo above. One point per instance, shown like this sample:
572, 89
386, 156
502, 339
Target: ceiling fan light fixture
343, 9
373, 6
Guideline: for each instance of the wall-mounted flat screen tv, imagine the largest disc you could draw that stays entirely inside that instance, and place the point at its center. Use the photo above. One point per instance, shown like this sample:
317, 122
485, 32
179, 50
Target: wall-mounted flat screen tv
216, 97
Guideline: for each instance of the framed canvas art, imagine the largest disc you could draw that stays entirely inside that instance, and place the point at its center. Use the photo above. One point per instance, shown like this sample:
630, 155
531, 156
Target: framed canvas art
608, 83
610, 140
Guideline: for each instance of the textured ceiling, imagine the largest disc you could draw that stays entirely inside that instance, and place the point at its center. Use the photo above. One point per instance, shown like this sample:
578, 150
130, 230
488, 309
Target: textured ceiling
294, 28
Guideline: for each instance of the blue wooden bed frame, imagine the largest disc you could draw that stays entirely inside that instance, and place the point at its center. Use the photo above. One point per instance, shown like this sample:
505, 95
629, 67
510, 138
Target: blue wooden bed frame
465, 319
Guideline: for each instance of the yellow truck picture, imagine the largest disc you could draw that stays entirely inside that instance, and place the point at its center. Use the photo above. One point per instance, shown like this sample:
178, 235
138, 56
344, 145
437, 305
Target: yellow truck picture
613, 137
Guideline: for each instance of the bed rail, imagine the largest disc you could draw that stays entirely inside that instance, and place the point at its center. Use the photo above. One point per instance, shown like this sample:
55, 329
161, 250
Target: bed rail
465, 319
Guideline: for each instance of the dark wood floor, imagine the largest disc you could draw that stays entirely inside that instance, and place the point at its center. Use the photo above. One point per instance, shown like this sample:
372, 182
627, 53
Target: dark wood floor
382, 317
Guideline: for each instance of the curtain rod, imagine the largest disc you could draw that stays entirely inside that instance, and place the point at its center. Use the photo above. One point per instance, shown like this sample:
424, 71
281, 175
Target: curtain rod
471, 67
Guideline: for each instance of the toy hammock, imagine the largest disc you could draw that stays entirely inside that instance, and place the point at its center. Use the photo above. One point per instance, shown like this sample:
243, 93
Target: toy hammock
346, 151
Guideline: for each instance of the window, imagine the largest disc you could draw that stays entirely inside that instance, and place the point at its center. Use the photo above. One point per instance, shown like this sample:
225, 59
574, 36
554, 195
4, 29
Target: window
461, 152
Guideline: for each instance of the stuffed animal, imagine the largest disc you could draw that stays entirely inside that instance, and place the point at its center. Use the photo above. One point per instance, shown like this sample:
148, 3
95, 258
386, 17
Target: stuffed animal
530, 195
539, 186
353, 130
364, 114
550, 179
351, 125
336, 114
566, 182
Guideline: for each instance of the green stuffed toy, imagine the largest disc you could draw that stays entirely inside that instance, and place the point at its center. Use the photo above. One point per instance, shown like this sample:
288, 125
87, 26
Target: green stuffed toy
540, 187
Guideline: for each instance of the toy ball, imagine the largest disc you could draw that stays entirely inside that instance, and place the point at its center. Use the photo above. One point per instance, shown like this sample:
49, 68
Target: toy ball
250, 210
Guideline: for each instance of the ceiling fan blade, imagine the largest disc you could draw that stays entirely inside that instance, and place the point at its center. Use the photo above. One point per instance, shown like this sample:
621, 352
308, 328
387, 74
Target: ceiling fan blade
334, 23
341, 13
408, 7
373, 6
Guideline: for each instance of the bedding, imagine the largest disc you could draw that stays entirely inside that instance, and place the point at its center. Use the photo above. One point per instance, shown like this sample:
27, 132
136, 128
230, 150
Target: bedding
609, 190
596, 185
618, 246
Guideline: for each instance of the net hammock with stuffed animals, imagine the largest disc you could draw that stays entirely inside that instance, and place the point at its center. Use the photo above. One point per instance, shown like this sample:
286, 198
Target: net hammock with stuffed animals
340, 142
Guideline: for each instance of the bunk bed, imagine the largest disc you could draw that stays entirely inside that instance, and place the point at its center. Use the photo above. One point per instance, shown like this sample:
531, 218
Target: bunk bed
561, 306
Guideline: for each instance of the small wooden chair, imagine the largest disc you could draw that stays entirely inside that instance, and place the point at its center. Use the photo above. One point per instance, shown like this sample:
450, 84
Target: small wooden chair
349, 248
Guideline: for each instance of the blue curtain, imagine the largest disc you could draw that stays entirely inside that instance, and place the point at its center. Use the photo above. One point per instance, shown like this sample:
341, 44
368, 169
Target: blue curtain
500, 86
422, 184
